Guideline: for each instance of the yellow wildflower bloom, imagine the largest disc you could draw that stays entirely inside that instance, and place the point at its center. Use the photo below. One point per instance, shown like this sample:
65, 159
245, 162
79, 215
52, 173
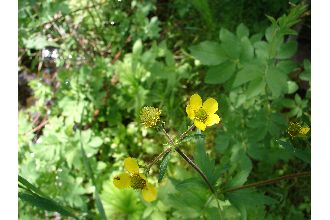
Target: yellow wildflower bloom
136, 180
202, 114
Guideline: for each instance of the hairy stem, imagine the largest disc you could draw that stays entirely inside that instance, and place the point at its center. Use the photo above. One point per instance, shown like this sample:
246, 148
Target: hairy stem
195, 166
157, 159
184, 134
168, 136
270, 181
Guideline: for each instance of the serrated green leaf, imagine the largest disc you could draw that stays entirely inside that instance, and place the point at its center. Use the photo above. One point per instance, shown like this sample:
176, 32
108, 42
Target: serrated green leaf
193, 137
304, 155
220, 73
245, 166
163, 166
209, 53
249, 198
206, 164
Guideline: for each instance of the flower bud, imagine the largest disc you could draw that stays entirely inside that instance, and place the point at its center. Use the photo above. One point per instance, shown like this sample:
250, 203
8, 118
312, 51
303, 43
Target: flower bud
150, 116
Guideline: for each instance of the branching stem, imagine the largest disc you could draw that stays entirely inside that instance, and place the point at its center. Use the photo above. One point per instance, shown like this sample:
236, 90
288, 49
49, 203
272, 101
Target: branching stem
184, 134
157, 158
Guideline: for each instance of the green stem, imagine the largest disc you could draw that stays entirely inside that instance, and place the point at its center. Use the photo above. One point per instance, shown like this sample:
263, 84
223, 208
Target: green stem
191, 163
184, 134
196, 167
157, 159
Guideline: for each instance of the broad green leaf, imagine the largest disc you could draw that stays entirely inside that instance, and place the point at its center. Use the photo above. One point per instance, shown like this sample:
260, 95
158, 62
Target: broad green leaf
276, 81
137, 47
242, 31
209, 53
163, 166
292, 87
192, 194
247, 50
286, 66
270, 33
247, 74
261, 48
287, 50
95, 142
256, 88
220, 73
230, 44
256, 37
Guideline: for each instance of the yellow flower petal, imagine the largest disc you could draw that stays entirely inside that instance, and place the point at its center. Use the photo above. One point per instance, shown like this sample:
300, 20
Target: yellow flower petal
212, 119
190, 112
131, 165
122, 181
200, 125
195, 102
304, 131
149, 193
210, 106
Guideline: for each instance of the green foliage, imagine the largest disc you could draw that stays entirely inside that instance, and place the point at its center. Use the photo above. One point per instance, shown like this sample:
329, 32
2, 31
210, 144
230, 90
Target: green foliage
163, 166
35, 197
115, 57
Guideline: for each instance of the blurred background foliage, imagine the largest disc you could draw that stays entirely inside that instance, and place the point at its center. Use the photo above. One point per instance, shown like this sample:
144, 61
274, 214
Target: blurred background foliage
86, 68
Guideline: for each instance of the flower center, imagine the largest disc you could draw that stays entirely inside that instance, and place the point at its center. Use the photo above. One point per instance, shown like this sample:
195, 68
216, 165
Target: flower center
137, 182
201, 115
150, 116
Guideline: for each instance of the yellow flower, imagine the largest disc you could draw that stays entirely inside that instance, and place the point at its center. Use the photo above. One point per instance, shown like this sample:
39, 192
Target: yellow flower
136, 180
202, 114
150, 116
304, 131
295, 129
